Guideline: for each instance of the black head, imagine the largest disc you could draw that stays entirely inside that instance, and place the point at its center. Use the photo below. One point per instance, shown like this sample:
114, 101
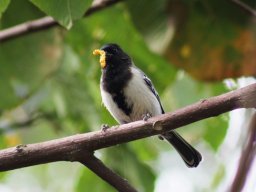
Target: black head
115, 56
116, 70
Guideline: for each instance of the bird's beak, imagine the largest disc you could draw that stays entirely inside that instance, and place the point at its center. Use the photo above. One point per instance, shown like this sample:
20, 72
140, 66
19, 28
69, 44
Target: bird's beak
102, 57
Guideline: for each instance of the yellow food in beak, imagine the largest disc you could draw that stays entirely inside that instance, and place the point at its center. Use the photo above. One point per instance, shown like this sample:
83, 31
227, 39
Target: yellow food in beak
102, 57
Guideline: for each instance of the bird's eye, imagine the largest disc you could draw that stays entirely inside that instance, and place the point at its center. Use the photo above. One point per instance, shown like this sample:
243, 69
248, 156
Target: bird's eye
114, 50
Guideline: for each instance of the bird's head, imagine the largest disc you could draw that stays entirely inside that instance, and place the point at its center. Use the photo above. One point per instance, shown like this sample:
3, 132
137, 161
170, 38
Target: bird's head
112, 56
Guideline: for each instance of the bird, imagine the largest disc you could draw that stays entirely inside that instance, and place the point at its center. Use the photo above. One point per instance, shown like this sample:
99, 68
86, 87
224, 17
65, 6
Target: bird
129, 95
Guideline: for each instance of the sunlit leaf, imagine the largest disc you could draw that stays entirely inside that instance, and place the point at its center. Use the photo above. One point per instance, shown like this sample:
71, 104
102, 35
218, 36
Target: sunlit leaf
215, 131
3, 5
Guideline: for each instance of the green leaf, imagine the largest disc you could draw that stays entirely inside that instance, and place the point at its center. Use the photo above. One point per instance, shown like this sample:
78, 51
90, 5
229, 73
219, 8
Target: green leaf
125, 161
140, 147
88, 181
215, 131
26, 61
64, 11
153, 23
29, 12
3, 6
24, 64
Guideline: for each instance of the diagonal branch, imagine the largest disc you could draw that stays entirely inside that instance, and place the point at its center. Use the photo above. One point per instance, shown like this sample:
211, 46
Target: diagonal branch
244, 7
47, 22
246, 158
96, 165
67, 149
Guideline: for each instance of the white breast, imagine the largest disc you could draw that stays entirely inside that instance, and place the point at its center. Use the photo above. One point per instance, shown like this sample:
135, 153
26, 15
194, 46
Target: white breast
112, 107
137, 95
143, 100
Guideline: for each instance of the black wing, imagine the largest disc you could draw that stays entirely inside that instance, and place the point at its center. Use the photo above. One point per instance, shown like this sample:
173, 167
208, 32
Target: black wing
153, 90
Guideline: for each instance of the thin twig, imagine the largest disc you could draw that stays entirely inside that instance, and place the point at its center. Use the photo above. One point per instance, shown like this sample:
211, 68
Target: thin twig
66, 149
96, 165
46, 22
246, 159
245, 7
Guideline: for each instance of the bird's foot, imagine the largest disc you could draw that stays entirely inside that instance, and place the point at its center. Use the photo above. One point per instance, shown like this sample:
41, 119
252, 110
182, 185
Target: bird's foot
146, 116
104, 127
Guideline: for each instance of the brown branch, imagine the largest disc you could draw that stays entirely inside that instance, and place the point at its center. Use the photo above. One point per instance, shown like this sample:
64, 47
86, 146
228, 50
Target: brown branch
246, 158
75, 148
66, 149
244, 7
95, 165
46, 22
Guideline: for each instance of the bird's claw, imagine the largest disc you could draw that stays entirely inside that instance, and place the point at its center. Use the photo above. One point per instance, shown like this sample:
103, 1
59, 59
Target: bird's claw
146, 116
104, 127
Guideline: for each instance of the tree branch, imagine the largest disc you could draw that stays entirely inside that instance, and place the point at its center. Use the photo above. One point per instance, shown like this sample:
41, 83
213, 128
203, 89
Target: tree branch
67, 149
78, 147
246, 158
244, 7
47, 22
95, 165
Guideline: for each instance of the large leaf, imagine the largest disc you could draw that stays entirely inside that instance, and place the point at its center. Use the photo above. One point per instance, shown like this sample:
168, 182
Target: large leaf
29, 12
24, 64
213, 43
3, 5
64, 11
26, 61
153, 23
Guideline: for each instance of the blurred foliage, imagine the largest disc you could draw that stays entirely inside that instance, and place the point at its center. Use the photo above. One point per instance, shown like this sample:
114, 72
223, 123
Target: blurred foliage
212, 43
88, 180
125, 162
49, 80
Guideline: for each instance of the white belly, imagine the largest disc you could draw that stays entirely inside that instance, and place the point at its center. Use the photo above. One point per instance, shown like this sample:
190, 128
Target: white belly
138, 95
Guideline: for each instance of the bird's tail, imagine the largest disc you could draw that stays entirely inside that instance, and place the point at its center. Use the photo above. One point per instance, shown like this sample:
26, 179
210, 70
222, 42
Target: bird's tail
189, 154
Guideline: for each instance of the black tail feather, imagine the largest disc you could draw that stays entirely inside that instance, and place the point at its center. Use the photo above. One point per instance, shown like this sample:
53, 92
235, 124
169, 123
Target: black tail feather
189, 154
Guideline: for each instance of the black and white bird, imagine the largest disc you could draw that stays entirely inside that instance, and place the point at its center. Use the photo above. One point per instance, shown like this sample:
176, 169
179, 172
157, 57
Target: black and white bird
129, 94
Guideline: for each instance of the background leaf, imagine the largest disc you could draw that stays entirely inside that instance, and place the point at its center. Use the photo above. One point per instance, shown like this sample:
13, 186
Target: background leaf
64, 11
88, 181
